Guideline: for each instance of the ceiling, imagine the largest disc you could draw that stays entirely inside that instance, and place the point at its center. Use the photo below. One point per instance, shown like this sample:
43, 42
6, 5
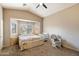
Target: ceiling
41, 11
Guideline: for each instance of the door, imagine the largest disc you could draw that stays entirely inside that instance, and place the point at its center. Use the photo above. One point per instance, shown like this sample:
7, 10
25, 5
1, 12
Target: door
1, 34
1, 29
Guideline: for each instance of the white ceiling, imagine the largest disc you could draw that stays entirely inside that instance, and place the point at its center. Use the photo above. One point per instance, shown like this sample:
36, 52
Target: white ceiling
41, 11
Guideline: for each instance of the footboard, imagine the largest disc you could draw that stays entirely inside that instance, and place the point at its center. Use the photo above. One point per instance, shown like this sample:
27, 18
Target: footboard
30, 43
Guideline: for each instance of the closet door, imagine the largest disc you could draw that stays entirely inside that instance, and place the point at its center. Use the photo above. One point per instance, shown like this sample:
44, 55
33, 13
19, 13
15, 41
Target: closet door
1, 29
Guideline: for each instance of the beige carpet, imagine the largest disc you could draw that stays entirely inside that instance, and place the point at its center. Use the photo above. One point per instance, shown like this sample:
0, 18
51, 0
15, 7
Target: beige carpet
43, 50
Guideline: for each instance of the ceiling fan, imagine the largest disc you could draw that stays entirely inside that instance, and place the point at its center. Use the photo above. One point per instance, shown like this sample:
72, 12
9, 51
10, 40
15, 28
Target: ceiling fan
42, 5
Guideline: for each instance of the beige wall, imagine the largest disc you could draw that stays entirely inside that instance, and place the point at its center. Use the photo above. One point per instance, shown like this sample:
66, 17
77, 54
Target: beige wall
66, 24
18, 14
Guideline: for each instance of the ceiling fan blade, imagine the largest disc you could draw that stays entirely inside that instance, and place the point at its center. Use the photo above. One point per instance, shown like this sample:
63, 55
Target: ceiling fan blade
38, 5
44, 5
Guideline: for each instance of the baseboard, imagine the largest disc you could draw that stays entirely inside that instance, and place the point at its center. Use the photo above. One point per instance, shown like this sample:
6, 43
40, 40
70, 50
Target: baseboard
70, 47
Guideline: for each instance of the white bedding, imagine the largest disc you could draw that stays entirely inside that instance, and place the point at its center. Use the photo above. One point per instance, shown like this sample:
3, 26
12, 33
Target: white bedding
27, 37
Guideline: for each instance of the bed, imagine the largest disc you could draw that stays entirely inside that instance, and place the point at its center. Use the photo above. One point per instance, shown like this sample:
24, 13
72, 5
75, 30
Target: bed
29, 41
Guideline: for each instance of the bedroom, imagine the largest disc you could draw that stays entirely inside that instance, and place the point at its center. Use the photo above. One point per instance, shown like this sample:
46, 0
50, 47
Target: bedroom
40, 23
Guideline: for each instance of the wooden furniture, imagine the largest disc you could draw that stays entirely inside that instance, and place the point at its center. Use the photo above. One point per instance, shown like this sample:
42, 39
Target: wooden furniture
13, 41
30, 43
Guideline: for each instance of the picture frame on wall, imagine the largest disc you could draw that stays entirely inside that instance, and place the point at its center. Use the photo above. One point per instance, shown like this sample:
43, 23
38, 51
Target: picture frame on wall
13, 28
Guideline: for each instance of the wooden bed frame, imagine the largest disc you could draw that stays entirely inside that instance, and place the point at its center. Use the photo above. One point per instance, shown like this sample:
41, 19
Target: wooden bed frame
30, 43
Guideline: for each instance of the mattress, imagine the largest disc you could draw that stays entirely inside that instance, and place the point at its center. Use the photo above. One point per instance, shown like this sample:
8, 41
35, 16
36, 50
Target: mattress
27, 37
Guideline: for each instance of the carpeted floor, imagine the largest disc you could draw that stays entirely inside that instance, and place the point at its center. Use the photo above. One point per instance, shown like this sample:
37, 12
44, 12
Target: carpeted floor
43, 50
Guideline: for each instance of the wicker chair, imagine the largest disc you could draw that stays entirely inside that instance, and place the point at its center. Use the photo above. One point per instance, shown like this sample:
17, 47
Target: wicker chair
56, 41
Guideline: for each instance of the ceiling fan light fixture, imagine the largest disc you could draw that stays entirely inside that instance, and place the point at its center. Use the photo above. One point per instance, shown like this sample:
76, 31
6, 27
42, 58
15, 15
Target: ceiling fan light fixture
40, 3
